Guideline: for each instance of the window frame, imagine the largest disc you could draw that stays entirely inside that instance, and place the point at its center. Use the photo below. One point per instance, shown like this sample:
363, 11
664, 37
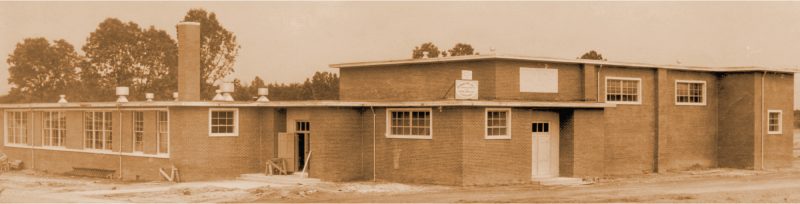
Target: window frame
486, 124
159, 133
541, 122
235, 122
704, 96
6, 126
639, 95
780, 122
133, 120
110, 131
46, 130
389, 134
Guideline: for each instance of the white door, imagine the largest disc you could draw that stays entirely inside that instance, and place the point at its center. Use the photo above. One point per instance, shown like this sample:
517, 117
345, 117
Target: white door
541, 151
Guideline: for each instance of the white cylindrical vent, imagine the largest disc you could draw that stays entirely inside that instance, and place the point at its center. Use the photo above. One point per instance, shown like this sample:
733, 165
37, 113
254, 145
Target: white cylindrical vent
263, 91
123, 91
149, 96
226, 87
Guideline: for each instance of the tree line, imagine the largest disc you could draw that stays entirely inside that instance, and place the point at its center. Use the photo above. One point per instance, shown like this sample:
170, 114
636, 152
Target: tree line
145, 59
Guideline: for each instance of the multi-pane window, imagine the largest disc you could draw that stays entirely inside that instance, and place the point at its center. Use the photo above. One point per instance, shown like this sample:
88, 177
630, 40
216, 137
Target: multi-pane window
497, 123
302, 126
163, 132
690, 92
17, 124
540, 127
409, 123
54, 128
138, 131
774, 122
97, 127
623, 90
223, 122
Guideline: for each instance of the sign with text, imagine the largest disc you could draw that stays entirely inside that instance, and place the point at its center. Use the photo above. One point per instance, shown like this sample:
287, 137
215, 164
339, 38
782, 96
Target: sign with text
466, 89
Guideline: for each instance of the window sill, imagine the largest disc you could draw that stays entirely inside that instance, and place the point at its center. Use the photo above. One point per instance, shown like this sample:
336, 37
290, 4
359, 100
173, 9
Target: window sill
54, 147
690, 104
624, 103
775, 133
497, 137
421, 137
224, 135
17, 145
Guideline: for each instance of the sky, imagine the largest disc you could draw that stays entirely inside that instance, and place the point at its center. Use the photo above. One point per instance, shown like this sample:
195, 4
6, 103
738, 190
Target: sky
289, 41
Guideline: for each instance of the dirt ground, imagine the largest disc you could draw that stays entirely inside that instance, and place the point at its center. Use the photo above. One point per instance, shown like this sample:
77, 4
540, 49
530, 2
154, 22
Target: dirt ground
704, 185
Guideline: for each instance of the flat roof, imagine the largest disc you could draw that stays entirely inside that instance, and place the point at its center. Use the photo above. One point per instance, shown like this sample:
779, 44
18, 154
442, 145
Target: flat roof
557, 60
288, 104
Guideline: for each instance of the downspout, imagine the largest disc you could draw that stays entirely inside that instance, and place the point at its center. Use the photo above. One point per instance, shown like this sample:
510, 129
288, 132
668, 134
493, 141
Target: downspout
119, 111
763, 76
260, 138
373, 143
33, 140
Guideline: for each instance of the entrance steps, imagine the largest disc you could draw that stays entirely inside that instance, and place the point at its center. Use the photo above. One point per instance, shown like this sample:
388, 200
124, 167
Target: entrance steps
560, 181
281, 180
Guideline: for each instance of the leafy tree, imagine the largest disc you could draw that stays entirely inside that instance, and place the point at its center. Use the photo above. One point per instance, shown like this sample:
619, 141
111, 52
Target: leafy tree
461, 49
40, 71
321, 86
429, 47
123, 54
593, 55
218, 49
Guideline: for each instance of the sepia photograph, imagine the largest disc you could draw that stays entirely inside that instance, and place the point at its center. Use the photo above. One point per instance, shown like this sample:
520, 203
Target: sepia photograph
399, 102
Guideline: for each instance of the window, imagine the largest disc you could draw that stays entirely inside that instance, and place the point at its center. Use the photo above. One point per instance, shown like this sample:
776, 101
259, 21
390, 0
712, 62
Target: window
163, 132
302, 126
690, 92
97, 127
55, 129
775, 122
497, 123
17, 132
623, 90
223, 122
138, 131
540, 127
409, 123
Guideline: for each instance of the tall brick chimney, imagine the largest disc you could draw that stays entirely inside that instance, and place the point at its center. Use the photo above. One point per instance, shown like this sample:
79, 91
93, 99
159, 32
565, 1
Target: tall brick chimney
188, 61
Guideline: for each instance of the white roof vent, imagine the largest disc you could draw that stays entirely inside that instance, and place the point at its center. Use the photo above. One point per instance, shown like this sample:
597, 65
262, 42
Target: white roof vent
63, 98
262, 93
175, 96
149, 97
122, 92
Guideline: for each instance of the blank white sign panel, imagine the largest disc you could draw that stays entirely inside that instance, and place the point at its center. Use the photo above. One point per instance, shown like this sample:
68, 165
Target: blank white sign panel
538, 80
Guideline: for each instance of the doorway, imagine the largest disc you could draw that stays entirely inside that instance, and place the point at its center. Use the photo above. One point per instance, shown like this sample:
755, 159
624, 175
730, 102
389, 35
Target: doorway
303, 144
542, 151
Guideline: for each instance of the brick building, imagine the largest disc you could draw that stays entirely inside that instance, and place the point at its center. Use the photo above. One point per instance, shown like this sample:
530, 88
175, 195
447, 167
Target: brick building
466, 120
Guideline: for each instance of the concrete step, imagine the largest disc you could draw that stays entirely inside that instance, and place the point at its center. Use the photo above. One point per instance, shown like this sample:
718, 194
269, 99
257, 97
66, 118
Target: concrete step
560, 181
280, 179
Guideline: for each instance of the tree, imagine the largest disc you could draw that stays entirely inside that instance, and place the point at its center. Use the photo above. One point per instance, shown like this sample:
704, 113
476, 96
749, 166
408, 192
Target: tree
40, 71
324, 86
593, 55
429, 47
218, 49
461, 49
122, 54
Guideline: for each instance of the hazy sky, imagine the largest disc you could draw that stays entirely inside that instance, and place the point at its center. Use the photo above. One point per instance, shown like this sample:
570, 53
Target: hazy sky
289, 41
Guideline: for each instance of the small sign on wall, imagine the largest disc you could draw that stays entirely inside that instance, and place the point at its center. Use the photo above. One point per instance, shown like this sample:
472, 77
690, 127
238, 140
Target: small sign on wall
466, 74
466, 89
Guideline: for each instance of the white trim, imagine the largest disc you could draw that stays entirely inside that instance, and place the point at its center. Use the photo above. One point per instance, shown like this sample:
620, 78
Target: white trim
133, 128
780, 122
558, 60
91, 151
639, 96
389, 124
284, 104
44, 130
703, 99
103, 130
5, 129
158, 136
486, 126
235, 123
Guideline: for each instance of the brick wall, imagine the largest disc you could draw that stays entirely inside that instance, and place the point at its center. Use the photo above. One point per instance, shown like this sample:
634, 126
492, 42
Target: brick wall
507, 82
412, 82
778, 147
336, 144
736, 114
582, 143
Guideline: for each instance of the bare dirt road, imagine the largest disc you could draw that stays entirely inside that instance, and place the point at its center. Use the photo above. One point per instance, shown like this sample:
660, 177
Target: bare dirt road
708, 185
